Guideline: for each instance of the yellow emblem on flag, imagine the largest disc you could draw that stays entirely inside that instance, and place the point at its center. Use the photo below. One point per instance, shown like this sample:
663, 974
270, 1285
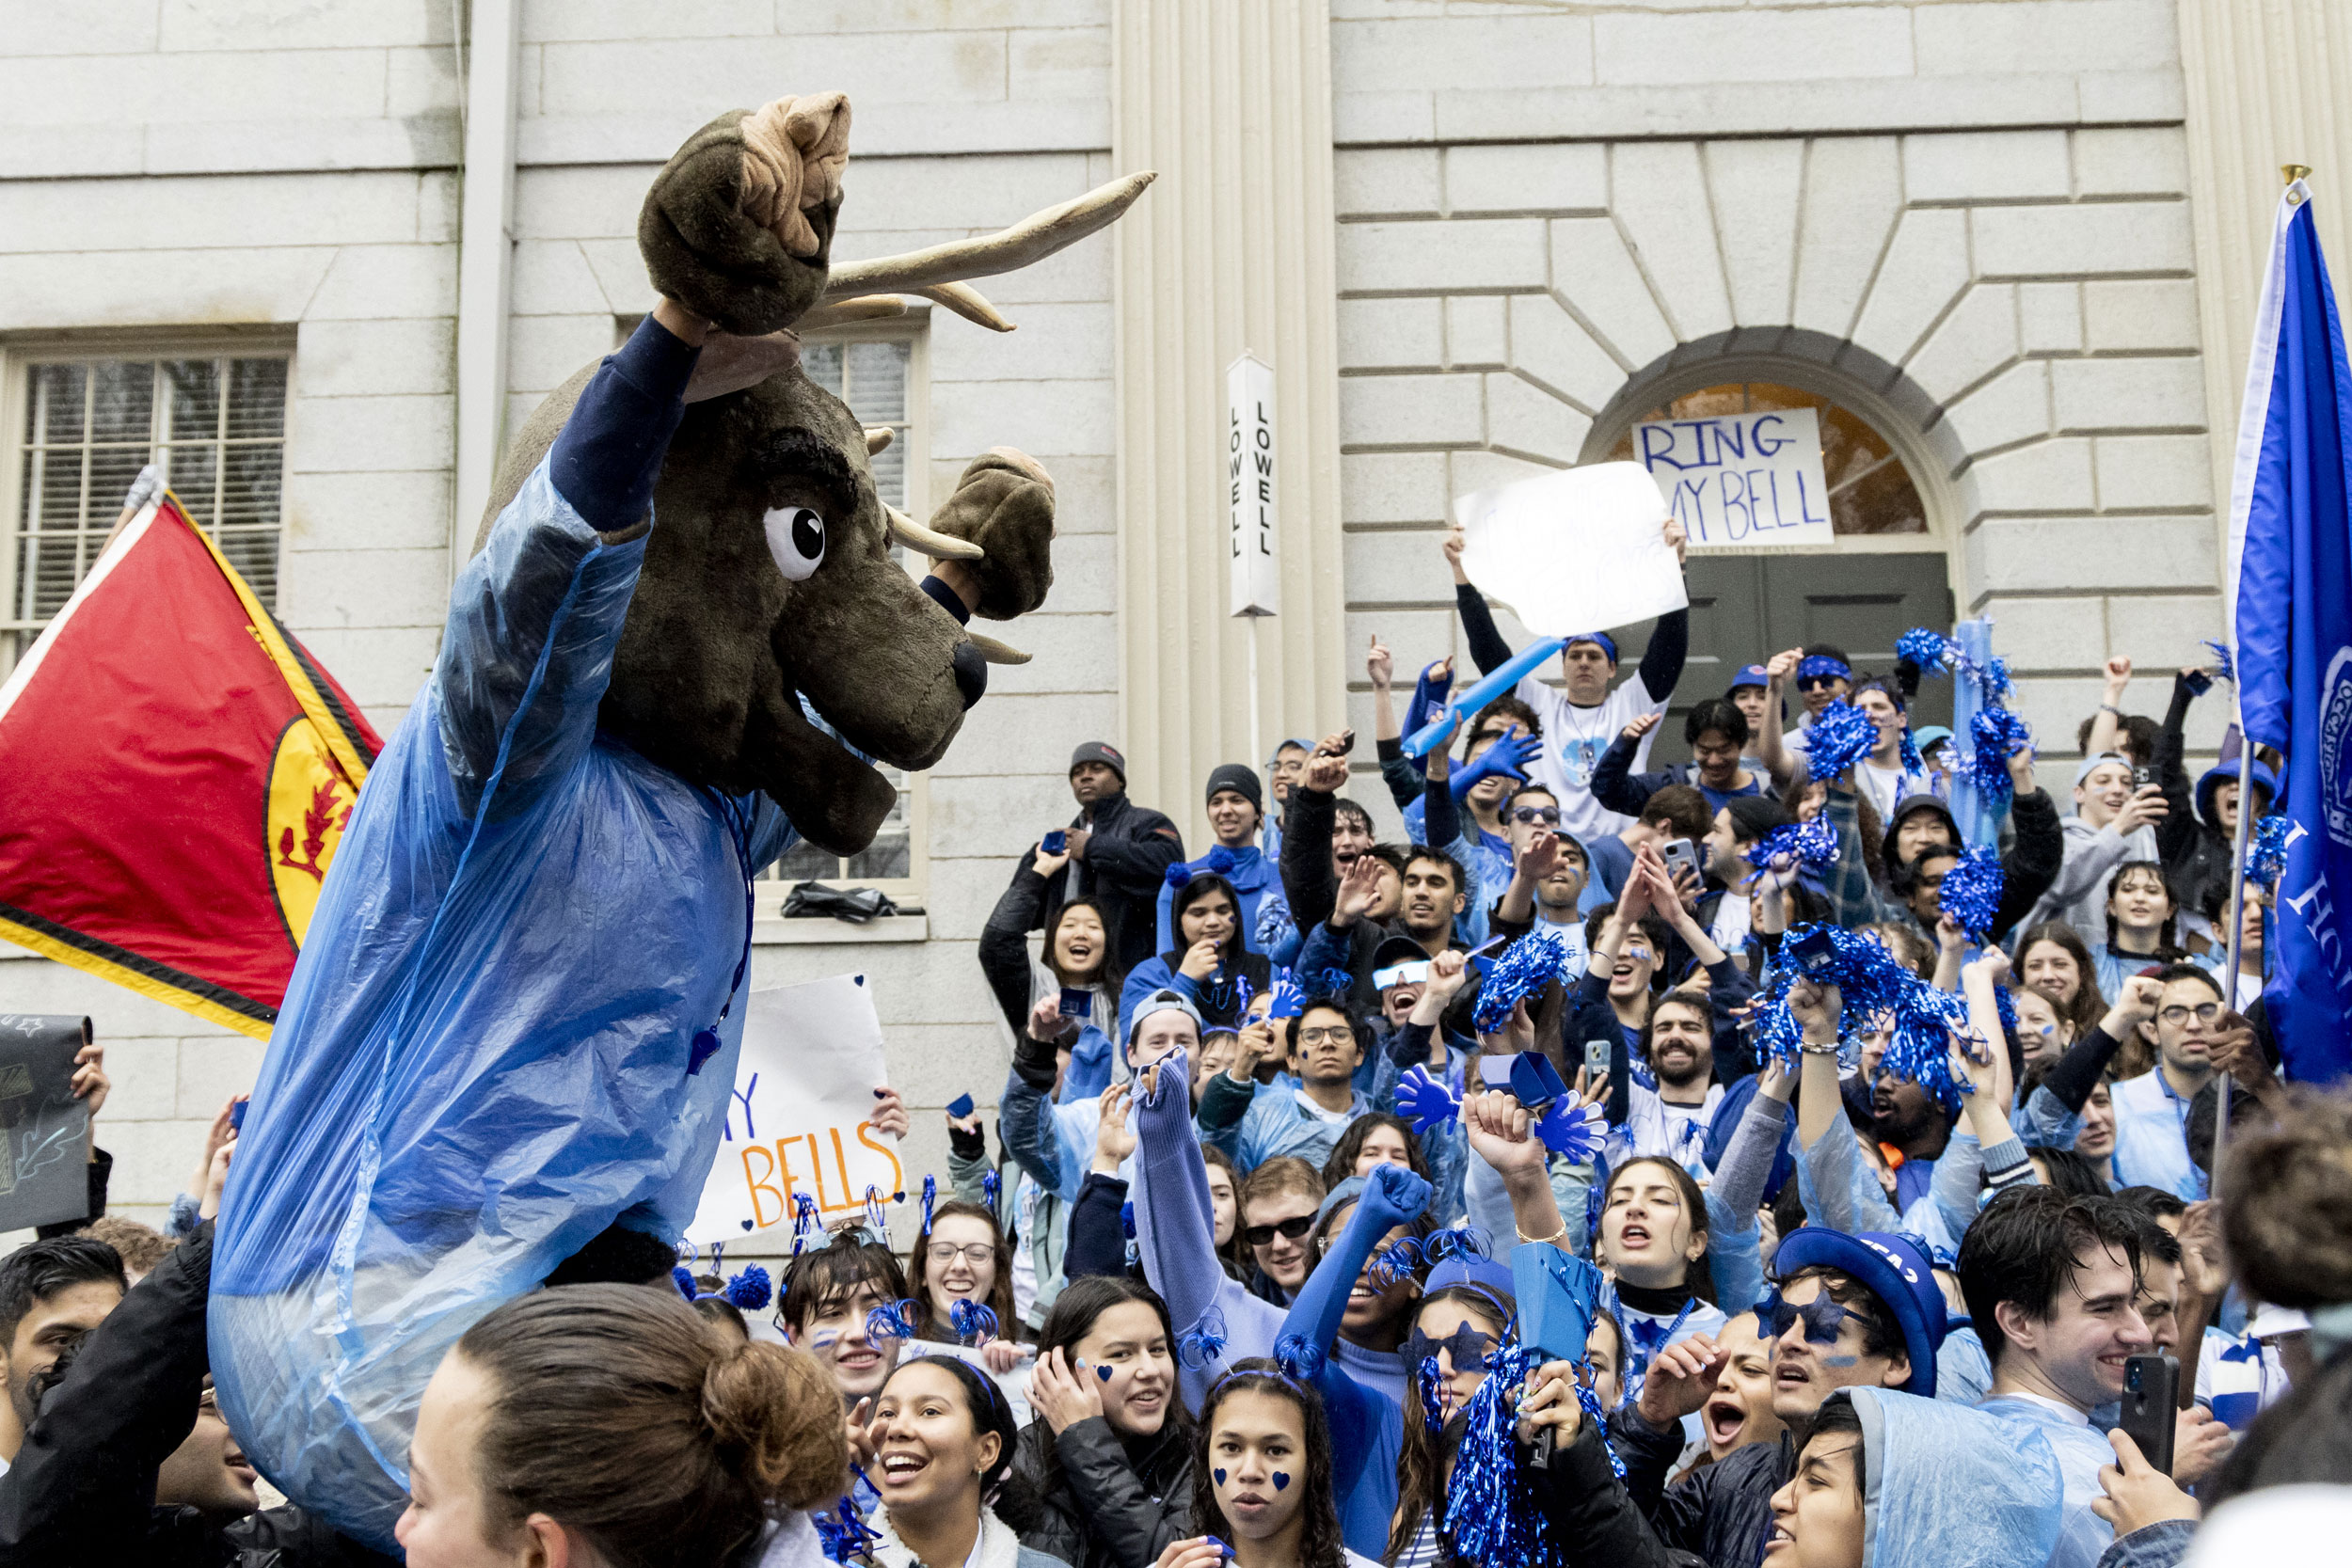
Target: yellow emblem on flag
309, 804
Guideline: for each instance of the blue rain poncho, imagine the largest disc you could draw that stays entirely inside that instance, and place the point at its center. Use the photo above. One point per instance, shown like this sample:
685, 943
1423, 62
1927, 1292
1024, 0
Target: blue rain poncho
1945, 1487
482, 1061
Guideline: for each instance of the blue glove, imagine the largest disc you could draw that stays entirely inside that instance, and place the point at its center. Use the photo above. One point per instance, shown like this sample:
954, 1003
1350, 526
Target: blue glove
1508, 756
1396, 1195
1429, 695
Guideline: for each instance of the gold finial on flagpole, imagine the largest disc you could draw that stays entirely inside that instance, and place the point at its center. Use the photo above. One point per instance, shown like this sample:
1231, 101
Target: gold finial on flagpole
2292, 172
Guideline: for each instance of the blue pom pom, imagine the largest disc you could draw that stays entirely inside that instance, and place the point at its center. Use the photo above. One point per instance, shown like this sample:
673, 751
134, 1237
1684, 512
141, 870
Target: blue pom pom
1493, 1515
1871, 983
1840, 736
1913, 762
684, 1279
2266, 855
751, 1289
1971, 893
1995, 733
2222, 664
1813, 843
975, 1323
1220, 859
1525, 968
1300, 1359
1177, 874
1932, 651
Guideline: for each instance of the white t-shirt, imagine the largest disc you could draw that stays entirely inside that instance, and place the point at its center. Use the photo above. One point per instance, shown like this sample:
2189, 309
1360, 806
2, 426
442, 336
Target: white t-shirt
1887, 785
1731, 925
1574, 739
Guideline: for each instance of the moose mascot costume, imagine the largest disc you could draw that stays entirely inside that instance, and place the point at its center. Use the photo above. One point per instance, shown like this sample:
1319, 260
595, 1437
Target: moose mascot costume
505, 1054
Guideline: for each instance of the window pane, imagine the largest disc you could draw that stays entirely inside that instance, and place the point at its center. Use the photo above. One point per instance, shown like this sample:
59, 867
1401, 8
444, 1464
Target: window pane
878, 381
254, 553
890, 473
257, 400
822, 363
805, 862
124, 409
194, 399
194, 475
111, 471
54, 412
250, 487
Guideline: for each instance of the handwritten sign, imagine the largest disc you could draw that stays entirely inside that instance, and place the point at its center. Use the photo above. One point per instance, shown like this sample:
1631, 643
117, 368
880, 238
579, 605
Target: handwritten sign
1580, 550
44, 1132
798, 1122
1254, 586
1742, 478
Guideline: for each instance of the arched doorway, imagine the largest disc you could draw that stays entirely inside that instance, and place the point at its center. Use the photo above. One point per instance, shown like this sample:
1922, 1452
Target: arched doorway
1891, 568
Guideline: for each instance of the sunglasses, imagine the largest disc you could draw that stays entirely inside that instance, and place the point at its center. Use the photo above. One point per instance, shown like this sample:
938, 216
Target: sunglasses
1822, 1316
1466, 1347
1817, 683
1548, 817
1291, 1229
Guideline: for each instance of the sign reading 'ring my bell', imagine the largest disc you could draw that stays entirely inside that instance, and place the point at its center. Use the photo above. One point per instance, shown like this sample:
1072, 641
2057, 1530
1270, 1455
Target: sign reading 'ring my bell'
1741, 480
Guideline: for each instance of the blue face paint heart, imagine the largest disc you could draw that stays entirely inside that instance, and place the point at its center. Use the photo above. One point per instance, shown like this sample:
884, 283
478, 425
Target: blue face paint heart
1220, 1475
1102, 1372
1280, 1480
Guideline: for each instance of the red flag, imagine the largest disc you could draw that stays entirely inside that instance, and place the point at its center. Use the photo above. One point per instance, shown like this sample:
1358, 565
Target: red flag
175, 773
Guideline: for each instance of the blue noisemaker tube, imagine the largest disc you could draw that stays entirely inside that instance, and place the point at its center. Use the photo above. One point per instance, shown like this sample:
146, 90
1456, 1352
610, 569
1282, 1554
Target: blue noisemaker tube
1465, 707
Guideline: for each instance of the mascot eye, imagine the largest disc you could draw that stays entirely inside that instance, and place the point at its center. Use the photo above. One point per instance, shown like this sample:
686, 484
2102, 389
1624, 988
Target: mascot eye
796, 537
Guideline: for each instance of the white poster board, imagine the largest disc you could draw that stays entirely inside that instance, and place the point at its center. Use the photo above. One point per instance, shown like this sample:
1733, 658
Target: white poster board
798, 1120
1580, 550
1255, 587
1741, 480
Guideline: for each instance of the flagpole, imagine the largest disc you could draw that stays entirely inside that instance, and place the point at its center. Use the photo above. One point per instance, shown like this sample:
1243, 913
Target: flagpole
2289, 174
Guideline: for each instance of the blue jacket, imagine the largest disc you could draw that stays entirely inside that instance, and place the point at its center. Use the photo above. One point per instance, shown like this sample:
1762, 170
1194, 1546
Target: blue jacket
1254, 875
1253, 1124
1948, 1486
2081, 1536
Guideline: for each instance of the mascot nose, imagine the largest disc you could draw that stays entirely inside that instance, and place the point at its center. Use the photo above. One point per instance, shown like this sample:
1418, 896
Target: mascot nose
971, 672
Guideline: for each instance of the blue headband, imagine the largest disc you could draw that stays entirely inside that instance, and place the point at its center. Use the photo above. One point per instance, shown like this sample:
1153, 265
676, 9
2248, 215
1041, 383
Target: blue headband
1608, 644
1821, 664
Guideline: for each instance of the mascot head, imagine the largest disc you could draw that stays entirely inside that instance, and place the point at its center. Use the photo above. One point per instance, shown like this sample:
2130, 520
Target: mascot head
771, 589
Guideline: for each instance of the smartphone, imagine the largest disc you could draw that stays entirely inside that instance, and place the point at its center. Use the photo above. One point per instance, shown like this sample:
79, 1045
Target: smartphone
1596, 1058
2143, 776
2152, 1389
1813, 952
1080, 1003
1495, 1071
1679, 852
236, 1115
1056, 842
2197, 682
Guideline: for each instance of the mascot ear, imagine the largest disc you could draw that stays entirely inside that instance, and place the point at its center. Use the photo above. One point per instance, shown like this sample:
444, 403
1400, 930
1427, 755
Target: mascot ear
1004, 504
738, 224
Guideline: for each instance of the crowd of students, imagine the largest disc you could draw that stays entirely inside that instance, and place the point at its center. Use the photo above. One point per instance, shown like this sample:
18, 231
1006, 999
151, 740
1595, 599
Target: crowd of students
1240, 1277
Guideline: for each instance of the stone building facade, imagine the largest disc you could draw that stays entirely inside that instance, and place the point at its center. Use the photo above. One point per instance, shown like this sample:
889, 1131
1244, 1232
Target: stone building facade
1476, 239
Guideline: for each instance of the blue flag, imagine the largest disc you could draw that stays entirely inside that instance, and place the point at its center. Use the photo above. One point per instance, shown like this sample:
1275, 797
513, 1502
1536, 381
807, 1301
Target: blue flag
2292, 551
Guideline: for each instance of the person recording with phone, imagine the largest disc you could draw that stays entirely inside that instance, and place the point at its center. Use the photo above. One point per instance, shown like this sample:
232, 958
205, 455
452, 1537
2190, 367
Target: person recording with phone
2113, 822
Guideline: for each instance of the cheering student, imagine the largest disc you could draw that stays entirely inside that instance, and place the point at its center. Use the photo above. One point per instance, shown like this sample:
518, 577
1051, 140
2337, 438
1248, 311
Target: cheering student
940, 1450
1279, 1204
2051, 1282
1890, 1481
1056, 1144
1033, 1219
1717, 732
1255, 1122
1580, 719
1236, 810
2111, 824
1261, 1476
1550, 871
607, 1424
1822, 675
1464, 1310
2054, 959
826, 1307
961, 1259
1110, 1452
2143, 920
1117, 853
1077, 957
1460, 811
1212, 966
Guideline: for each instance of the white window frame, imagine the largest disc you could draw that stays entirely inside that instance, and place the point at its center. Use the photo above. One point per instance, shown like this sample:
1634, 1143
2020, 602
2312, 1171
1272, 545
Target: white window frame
914, 328
17, 358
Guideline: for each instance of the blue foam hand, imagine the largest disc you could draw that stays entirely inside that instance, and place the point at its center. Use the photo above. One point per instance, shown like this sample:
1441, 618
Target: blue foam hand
1429, 694
1570, 1130
1508, 756
1395, 1194
1424, 1100
1290, 997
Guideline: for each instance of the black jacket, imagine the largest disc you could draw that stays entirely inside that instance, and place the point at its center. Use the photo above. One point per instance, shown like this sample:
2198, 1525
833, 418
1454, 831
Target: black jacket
1107, 1506
1128, 855
1722, 1512
1592, 1517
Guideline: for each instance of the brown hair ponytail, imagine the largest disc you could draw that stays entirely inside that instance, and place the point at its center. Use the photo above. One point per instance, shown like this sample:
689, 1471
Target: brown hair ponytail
619, 1413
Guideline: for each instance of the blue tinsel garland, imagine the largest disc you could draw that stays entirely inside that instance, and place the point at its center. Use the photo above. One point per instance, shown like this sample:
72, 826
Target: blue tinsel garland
1492, 1514
2223, 665
1525, 968
2266, 856
1813, 843
1995, 733
1870, 982
1840, 736
1932, 651
1971, 893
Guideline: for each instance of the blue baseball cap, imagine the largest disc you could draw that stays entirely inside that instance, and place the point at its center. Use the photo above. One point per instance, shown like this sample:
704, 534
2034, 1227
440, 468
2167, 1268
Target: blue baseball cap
1750, 674
1931, 734
1608, 644
1467, 1268
1892, 1268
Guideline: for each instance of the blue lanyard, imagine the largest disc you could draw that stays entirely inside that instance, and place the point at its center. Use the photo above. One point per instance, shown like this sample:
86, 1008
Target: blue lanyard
738, 819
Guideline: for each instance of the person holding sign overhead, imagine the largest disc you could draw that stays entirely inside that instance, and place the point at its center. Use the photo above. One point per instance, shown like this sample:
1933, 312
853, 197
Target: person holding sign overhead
1580, 721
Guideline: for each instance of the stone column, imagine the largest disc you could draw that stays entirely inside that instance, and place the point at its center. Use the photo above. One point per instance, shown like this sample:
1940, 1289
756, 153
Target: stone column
1231, 252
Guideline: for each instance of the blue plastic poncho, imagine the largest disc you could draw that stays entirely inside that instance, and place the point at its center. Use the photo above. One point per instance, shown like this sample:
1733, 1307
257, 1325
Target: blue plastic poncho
482, 1058
1945, 1487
